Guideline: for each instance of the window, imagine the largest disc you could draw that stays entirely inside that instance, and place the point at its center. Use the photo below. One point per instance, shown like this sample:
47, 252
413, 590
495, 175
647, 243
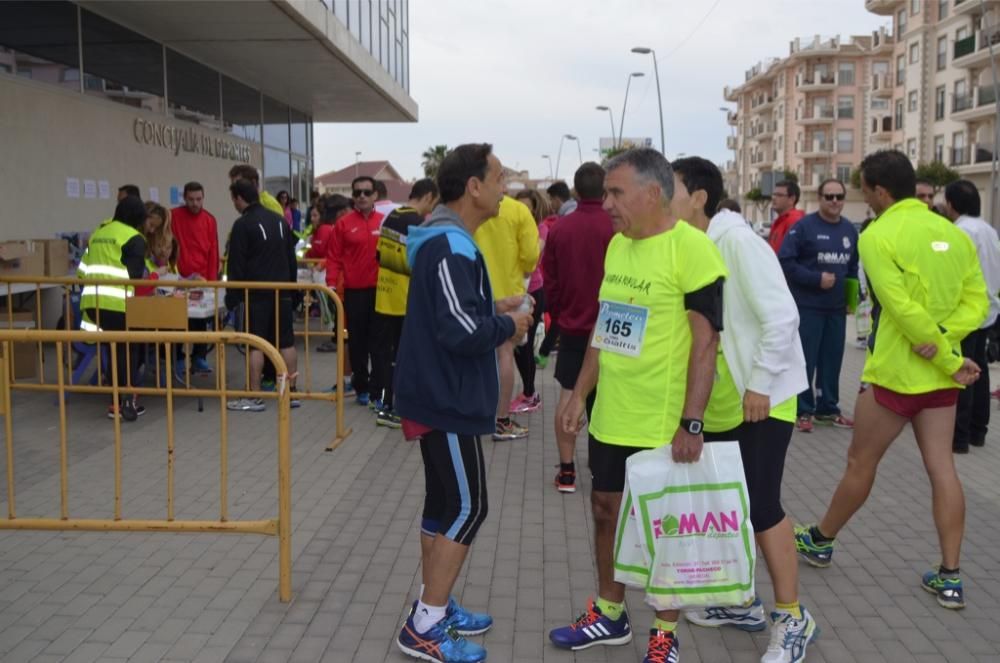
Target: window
939, 97
962, 100
71, 75
962, 33
39, 41
845, 141
942, 9
939, 148
241, 110
915, 52
130, 64
192, 90
914, 7
845, 73
900, 69
958, 155
942, 52
911, 148
275, 124
880, 103
300, 138
899, 114
844, 172
845, 107
901, 23
912, 101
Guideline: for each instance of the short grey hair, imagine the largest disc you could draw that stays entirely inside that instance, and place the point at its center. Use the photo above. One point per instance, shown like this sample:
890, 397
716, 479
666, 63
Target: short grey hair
649, 165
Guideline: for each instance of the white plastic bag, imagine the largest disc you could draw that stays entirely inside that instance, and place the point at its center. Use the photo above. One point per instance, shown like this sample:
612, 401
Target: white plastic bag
695, 527
631, 559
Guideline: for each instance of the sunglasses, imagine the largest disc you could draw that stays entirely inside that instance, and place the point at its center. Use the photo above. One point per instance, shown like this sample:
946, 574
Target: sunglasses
357, 193
830, 197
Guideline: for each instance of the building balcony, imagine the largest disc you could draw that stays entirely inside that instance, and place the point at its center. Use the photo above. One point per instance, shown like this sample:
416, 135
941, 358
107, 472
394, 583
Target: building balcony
883, 7
815, 83
974, 51
730, 93
975, 106
732, 118
972, 6
882, 41
763, 159
817, 116
817, 149
731, 142
979, 161
815, 46
959, 156
764, 104
882, 85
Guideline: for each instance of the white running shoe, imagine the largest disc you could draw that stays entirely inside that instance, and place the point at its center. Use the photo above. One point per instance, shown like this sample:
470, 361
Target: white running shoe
790, 637
749, 618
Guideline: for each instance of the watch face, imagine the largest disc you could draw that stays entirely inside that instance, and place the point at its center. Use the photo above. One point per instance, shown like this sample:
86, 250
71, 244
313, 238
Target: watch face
694, 427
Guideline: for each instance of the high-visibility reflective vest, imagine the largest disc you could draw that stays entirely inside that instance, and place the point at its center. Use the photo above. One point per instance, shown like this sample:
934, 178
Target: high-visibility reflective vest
103, 260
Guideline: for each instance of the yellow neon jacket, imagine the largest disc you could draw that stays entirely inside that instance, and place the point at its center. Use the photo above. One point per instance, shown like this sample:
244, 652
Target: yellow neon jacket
271, 203
509, 242
927, 287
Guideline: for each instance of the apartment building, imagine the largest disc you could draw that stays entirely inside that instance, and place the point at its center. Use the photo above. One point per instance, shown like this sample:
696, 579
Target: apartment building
942, 100
922, 85
806, 113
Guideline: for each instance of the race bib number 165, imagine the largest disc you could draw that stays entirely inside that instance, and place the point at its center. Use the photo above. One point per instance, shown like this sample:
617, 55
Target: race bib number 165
620, 328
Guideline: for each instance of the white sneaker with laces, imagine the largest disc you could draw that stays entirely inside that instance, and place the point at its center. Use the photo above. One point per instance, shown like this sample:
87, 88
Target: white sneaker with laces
745, 618
790, 637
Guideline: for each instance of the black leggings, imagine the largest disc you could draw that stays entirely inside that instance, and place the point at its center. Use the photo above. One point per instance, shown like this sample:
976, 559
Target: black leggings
125, 353
524, 355
455, 504
388, 330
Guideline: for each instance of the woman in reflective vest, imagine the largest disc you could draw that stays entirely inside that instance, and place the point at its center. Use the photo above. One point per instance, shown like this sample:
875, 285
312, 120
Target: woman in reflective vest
116, 250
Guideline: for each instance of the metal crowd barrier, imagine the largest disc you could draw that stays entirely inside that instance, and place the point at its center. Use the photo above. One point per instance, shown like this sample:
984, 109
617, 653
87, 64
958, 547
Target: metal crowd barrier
309, 291
279, 526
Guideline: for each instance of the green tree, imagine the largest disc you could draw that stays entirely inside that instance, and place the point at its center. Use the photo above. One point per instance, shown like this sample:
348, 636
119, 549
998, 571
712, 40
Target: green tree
856, 178
432, 158
937, 174
612, 152
790, 175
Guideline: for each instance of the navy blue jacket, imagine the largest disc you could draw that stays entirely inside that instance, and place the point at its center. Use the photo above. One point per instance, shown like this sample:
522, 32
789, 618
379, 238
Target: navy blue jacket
446, 368
812, 247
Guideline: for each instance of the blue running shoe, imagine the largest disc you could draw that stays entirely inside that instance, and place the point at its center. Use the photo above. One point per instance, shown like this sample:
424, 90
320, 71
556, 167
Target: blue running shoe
790, 637
592, 628
949, 590
815, 554
267, 385
663, 647
200, 366
375, 405
362, 399
439, 644
750, 618
466, 622
348, 388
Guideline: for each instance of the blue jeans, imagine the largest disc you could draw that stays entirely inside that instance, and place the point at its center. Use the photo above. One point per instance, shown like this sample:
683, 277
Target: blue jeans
822, 335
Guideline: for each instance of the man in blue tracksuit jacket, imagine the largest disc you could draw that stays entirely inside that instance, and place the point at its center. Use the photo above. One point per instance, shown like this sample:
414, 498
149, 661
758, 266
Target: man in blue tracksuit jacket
820, 259
446, 388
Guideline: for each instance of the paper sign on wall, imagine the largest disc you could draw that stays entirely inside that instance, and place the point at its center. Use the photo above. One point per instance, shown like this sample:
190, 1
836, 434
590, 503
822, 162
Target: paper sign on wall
90, 189
103, 190
175, 195
72, 187
154, 194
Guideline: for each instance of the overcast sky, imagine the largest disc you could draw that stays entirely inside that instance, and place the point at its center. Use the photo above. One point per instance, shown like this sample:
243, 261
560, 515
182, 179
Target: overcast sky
521, 73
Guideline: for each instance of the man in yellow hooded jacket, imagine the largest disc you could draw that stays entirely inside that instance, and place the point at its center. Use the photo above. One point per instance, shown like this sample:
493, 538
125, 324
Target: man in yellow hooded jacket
928, 293
509, 243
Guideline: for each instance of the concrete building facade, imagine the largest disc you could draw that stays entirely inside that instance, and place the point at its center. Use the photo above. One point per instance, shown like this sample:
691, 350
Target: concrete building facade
97, 94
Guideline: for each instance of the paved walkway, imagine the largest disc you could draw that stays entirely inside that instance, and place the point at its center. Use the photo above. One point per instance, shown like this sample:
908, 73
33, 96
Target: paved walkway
79, 597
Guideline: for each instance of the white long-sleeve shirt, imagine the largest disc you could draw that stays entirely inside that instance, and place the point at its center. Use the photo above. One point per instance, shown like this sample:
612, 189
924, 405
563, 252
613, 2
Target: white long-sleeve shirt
987, 242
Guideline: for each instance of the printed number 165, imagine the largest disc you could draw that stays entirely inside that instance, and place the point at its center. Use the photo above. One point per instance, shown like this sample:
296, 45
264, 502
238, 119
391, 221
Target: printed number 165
618, 327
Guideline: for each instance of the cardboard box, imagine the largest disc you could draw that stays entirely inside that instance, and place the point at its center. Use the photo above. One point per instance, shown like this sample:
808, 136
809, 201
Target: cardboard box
24, 258
56, 253
25, 361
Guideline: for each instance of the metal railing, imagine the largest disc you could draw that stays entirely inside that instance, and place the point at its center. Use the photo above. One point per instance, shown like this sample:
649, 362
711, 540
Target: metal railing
217, 289
279, 526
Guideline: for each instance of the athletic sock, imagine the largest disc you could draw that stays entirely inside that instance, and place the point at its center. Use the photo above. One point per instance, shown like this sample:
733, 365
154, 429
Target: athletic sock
610, 609
817, 536
792, 609
949, 574
568, 467
504, 421
427, 616
664, 625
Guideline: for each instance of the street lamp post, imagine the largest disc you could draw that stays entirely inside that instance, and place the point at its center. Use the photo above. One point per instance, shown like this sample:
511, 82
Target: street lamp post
642, 50
357, 159
559, 154
614, 143
546, 156
621, 124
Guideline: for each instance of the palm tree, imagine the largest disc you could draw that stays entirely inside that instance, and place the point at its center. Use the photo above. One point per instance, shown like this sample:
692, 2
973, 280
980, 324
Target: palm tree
432, 158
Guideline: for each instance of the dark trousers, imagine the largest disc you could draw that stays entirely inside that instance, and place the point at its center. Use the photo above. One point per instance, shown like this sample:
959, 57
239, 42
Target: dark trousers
972, 418
822, 335
198, 350
126, 354
359, 308
388, 330
524, 355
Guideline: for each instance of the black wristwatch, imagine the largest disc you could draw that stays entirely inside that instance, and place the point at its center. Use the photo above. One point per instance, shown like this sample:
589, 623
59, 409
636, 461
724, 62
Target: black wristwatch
693, 426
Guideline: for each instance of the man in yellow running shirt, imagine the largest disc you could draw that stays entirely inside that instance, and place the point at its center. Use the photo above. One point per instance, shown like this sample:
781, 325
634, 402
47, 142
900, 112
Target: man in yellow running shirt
654, 345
